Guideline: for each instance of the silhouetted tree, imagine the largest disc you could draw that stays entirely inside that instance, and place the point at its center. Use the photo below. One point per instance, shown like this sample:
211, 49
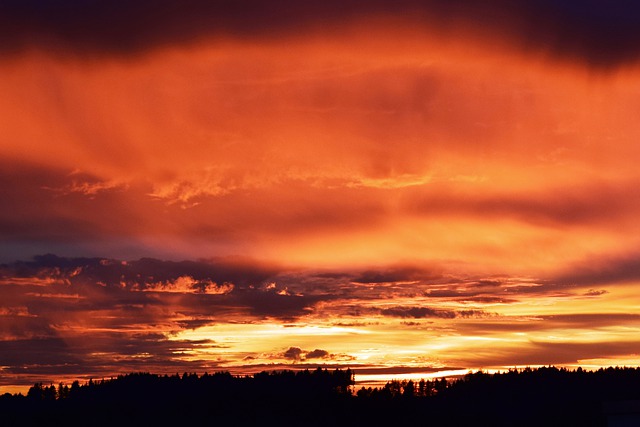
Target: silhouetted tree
409, 390
63, 391
422, 388
440, 385
36, 392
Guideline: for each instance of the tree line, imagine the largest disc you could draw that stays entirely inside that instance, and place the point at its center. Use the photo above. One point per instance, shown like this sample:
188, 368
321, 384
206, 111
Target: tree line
222, 385
613, 383
519, 397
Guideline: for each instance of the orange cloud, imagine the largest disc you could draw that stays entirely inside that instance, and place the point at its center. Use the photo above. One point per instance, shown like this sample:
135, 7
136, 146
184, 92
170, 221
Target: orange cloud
322, 138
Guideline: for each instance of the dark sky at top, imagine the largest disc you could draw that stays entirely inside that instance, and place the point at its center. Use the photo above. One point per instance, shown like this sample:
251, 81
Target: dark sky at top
602, 33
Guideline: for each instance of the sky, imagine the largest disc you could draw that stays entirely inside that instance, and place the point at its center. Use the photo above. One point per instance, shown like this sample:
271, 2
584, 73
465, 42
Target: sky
406, 188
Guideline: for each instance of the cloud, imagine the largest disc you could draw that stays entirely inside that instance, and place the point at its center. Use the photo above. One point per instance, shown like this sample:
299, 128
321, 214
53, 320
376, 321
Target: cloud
317, 354
99, 217
315, 143
45, 351
294, 353
399, 273
601, 269
146, 273
297, 354
589, 203
70, 216
54, 297
563, 328
595, 32
102, 354
187, 284
416, 312
115, 316
426, 312
594, 320
127, 311
595, 292
554, 353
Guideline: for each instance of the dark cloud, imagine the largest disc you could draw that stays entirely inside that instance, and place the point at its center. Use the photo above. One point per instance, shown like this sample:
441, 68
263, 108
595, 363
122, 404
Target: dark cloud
21, 185
590, 203
576, 321
396, 274
190, 294
490, 300
70, 316
16, 322
274, 303
595, 292
97, 355
426, 312
601, 270
471, 313
142, 272
307, 209
298, 354
45, 351
68, 212
294, 353
598, 32
317, 354
416, 312
48, 211
555, 353
49, 295
587, 320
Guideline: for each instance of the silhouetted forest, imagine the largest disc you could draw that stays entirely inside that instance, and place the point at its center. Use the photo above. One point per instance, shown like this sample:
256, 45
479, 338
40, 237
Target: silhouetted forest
529, 397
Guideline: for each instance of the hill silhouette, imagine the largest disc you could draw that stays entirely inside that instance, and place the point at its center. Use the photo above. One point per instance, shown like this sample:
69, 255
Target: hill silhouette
530, 397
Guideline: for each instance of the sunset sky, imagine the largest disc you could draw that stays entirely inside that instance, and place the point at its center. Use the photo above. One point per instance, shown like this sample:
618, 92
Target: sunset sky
403, 187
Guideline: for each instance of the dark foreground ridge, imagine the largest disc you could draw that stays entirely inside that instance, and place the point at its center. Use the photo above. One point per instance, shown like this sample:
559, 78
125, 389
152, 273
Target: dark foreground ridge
529, 397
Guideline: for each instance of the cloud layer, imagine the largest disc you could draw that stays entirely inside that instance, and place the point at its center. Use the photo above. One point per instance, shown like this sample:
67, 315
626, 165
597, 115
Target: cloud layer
599, 33
64, 318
